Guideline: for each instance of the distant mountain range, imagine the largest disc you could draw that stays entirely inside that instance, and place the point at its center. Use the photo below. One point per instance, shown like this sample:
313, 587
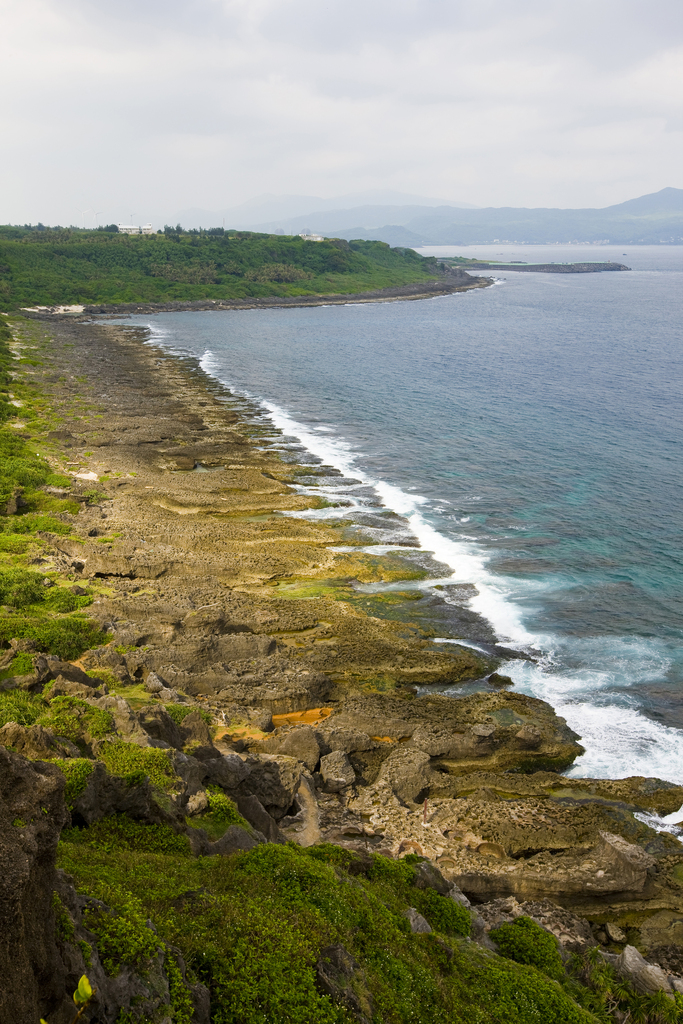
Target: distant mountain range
401, 219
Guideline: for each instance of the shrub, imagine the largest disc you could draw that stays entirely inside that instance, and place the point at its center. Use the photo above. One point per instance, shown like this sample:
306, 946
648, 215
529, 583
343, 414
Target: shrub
67, 637
73, 718
443, 914
20, 707
119, 832
135, 763
77, 771
526, 942
123, 936
21, 587
20, 665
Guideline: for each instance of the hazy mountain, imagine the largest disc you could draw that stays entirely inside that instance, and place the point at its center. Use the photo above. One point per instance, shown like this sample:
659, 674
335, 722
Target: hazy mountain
650, 219
390, 217
277, 211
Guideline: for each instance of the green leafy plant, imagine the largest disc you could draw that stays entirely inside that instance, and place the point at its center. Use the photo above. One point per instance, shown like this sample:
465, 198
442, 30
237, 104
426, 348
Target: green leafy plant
75, 719
135, 763
77, 771
20, 707
118, 832
526, 942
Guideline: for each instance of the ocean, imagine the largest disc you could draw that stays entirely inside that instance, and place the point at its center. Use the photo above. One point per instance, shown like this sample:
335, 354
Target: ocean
530, 435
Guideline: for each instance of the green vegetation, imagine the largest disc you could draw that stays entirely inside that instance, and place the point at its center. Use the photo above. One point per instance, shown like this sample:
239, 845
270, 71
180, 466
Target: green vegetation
527, 943
222, 813
252, 927
73, 719
136, 763
20, 707
179, 712
119, 832
66, 637
50, 267
77, 771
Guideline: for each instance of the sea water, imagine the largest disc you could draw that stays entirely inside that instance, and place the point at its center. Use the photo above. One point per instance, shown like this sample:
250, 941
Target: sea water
530, 433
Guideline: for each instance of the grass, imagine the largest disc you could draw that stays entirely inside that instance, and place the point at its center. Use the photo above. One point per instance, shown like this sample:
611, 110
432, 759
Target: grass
252, 926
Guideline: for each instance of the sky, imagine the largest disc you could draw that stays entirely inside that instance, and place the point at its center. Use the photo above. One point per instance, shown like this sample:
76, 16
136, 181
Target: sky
147, 107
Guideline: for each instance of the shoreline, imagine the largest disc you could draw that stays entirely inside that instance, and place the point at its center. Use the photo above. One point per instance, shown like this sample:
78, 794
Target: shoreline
422, 290
209, 592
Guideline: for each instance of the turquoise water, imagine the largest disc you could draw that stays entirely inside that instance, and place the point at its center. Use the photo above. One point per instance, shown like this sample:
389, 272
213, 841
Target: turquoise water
531, 434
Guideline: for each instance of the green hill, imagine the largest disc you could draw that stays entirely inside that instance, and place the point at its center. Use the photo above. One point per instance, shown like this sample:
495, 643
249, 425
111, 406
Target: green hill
45, 266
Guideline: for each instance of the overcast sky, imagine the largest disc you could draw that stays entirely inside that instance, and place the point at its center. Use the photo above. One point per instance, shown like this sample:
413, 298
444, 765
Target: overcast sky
151, 106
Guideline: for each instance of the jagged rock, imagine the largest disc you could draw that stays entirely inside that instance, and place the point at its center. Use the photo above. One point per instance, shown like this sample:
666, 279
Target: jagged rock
428, 876
418, 924
106, 794
196, 737
126, 721
197, 804
340, 977
572, 932
615, 933
337, 771
32, 812
529, 737
345, 739
158, 724
227, 771
646, 978
662, 929
406, 772
251, 808
62, 687
297, 741
35, 742
274, 779
153, 684
49, 667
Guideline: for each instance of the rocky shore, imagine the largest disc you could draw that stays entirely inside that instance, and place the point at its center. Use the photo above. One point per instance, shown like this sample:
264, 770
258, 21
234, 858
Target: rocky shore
231, 669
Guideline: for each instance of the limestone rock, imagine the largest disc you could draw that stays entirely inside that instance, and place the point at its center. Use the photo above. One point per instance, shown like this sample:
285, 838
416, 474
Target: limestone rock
274, 779
158, 724
106, 794
406, 772
572, 932
227, 771
340, 977
428, 876
251, 808
646, 978
337, 771
297, 741
662, 929
35, 742
153, 684
197, 804
419, 925
345, 739
32, 812
615, 933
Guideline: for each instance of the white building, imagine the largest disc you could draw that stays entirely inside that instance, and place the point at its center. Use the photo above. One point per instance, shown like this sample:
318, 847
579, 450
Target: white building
311, 238
135, 229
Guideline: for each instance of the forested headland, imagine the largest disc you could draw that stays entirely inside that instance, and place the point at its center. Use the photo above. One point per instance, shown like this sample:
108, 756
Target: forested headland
51, 266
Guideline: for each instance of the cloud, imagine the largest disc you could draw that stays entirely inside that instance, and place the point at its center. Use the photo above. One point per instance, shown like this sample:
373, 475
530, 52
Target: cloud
149, 107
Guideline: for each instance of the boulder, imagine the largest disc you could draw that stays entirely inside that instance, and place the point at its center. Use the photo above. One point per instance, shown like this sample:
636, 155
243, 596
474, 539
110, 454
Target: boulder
344, 738
227, 771
428, 876
337, 771
645, 977
406, 772
297, 741
251, 808
158, 724
106, 794
419, 925
35, 742
274, 779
